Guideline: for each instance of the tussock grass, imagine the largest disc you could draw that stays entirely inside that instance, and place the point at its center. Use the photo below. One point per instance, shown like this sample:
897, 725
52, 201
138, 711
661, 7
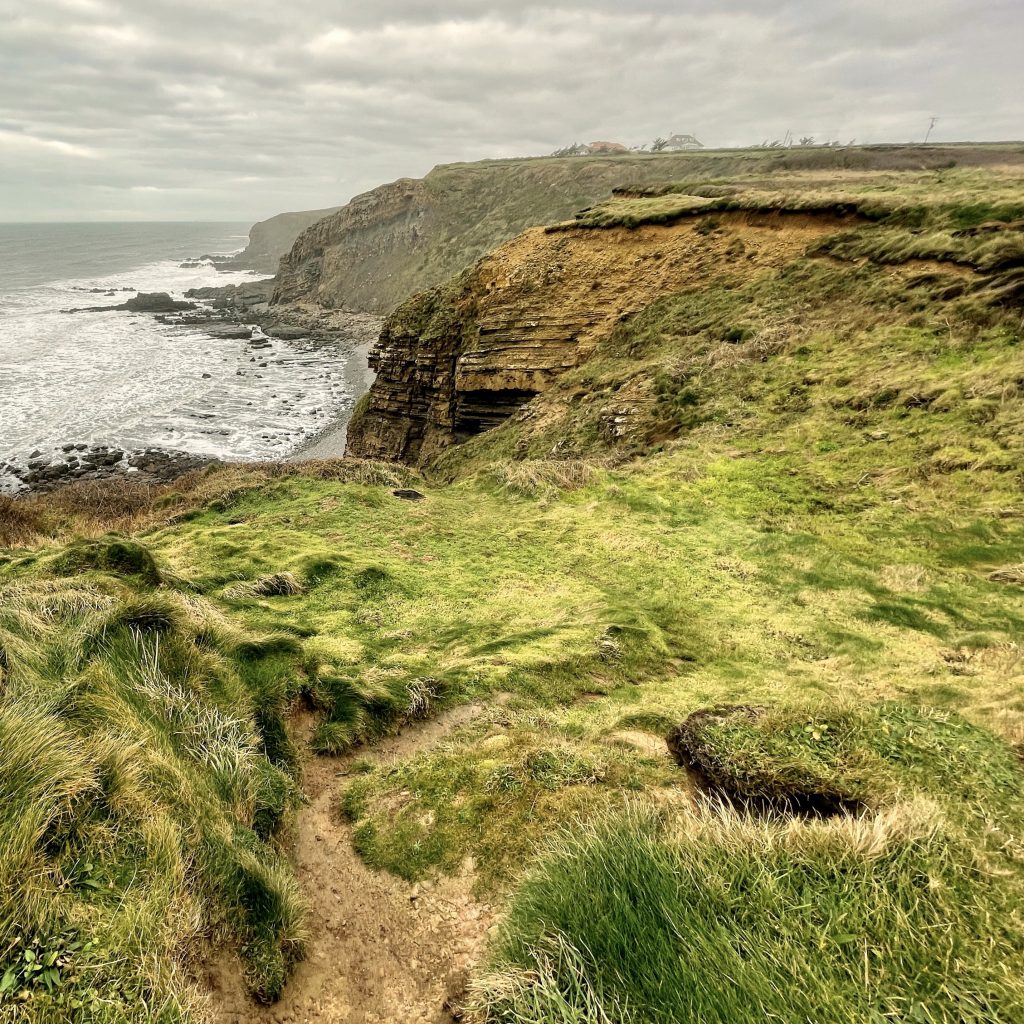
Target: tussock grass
278, 584
729, 918
140, 802
535, 476
359, 711
111, 554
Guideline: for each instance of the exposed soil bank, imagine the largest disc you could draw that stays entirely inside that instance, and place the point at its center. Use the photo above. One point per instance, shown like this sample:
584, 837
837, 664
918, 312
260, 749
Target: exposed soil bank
381, 951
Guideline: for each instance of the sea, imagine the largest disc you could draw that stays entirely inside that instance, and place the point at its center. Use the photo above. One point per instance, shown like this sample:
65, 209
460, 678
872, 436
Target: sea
126, 380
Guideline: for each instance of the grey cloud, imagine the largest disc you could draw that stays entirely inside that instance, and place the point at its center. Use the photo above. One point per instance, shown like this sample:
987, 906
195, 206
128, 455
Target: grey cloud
222, 109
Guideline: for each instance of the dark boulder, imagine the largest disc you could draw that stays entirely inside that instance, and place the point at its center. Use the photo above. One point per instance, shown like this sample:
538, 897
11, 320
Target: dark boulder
155, 302
230, 332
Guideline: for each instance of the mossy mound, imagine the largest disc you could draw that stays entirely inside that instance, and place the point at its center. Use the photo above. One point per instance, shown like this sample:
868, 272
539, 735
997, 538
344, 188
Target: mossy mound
824, 761
762, 761
116, 555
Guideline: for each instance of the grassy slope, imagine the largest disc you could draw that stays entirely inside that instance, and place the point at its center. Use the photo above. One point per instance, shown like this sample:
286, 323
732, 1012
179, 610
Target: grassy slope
819, 473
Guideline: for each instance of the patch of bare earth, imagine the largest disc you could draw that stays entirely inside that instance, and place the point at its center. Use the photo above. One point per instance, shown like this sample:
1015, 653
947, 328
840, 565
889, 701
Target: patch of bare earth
381, 951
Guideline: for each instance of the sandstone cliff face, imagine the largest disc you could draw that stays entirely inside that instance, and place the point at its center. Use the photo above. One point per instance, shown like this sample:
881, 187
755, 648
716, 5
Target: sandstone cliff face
343, 261
460, 359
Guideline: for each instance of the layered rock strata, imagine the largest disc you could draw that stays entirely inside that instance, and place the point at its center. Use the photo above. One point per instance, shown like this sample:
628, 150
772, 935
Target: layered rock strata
458, 360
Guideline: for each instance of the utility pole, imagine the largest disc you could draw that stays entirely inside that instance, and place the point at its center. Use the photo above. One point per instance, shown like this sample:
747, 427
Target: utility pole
934, 121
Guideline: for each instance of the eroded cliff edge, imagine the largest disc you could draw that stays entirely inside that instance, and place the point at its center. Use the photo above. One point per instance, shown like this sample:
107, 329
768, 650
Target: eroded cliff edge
462, 358
458, 360
417, 233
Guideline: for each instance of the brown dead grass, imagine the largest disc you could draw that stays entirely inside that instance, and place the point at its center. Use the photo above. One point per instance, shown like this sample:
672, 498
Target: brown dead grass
122, 504
1008, 574
18, 522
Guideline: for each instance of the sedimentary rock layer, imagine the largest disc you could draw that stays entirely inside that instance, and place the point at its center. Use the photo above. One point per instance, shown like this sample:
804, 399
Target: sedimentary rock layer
458, 360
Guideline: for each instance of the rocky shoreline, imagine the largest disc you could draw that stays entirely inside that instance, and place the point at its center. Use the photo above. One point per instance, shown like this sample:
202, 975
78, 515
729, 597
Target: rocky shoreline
240, 312
43, 472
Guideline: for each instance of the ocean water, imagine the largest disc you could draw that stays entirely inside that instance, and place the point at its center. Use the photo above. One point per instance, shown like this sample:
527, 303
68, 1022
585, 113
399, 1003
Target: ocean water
126, 380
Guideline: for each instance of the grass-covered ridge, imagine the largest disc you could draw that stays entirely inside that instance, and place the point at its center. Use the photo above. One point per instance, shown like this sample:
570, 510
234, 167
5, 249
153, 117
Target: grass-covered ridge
145, 775
415, 234
795, 500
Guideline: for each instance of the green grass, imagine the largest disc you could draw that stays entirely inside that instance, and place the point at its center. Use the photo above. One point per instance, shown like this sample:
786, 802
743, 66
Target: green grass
140, 799
814, 511
722, 918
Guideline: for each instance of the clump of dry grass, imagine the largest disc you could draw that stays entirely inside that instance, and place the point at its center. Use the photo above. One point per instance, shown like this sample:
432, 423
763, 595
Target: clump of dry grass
533, 476
278, 584
1008, 574
20, 522
369, 472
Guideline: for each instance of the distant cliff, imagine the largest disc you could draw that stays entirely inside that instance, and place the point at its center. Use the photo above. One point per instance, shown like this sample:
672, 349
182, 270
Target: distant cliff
270, 239
412, 234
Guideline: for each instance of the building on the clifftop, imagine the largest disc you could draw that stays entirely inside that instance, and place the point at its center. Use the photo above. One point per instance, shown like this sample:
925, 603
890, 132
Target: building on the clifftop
678, 143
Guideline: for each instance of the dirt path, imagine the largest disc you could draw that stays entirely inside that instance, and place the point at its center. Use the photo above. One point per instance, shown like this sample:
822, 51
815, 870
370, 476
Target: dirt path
381, 951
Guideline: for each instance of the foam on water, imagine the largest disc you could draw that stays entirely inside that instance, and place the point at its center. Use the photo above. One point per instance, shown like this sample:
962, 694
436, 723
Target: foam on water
126, 380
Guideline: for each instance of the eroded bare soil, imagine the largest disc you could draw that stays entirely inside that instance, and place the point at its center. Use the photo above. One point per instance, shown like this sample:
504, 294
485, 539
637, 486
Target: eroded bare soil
381, 951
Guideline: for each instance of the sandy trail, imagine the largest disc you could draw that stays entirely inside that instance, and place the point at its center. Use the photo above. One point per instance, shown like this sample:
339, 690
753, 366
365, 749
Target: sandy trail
381, 951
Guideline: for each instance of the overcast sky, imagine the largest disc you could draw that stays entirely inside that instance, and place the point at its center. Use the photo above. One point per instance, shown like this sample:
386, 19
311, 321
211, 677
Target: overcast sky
224, 109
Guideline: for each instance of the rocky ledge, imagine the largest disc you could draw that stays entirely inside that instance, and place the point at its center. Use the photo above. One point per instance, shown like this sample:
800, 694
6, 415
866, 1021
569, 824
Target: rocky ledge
45, 471
144, 302
251, 302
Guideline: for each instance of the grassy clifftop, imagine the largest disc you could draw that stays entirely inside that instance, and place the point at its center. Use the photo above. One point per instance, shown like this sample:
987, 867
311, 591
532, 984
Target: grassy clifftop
384, 246
784, 495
